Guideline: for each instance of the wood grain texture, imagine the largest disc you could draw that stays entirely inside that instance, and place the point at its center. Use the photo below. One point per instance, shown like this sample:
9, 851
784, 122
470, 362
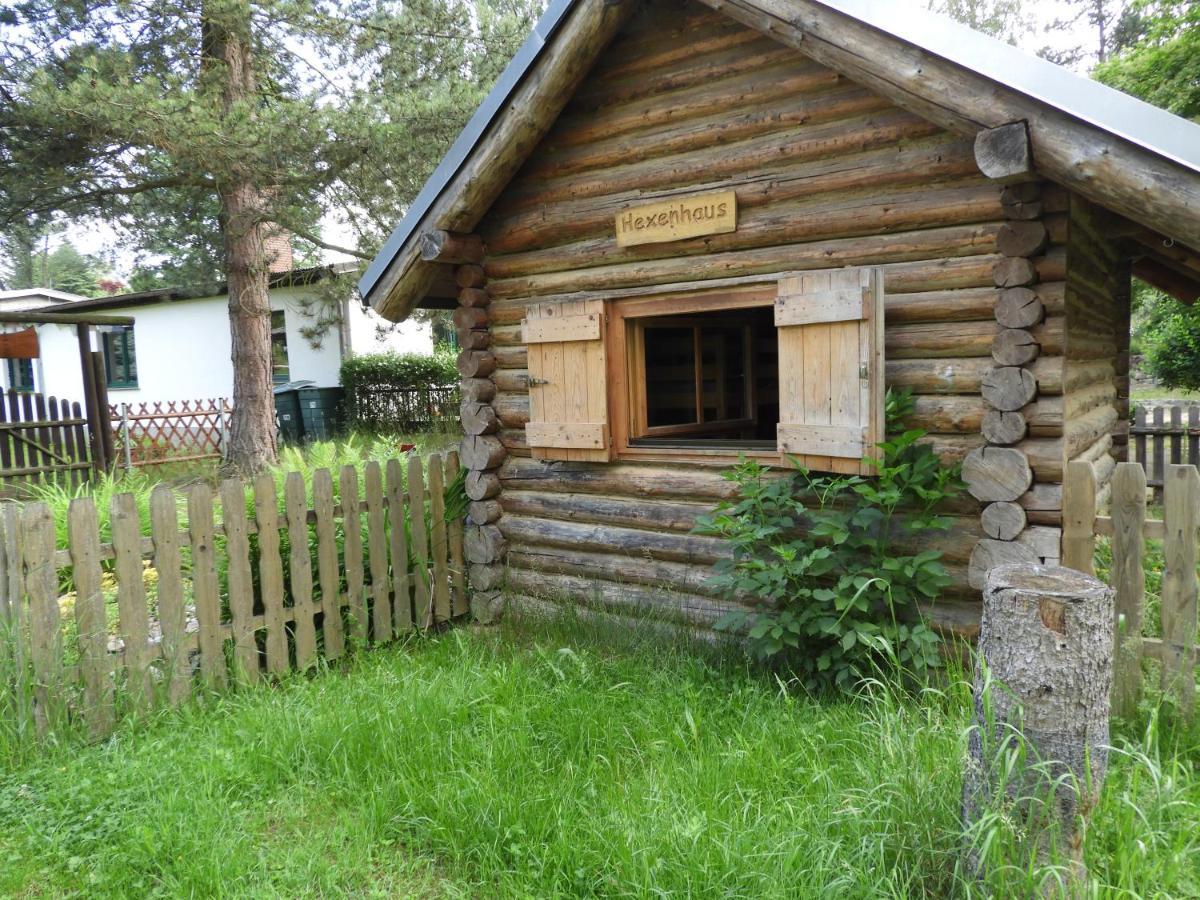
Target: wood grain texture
270, 571
300, 575
83, 538
167, 561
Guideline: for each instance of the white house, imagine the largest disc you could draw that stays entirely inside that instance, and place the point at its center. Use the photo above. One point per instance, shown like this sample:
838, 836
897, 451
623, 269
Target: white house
179, 346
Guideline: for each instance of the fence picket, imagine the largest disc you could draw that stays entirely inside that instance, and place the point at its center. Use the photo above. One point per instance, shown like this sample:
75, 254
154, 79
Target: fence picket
1129, 580
12, 577
270, 571
91, 626
422, 600
45, 634
300, 570
1181, 515
207, 594
168, 562
131, 597
328, 573
1194, 435
402, 615
377, 552
454, 527
1158, 465
437, 520
352, 550
235, 524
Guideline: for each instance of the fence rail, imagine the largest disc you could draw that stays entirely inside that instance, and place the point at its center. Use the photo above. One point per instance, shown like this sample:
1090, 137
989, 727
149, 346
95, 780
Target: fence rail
266, 587
155, 434
42, 438
1165, 436
1128, 529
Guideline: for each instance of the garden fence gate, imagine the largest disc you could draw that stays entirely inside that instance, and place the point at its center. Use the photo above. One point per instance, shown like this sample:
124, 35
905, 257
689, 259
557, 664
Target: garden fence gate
267, 587
41, 439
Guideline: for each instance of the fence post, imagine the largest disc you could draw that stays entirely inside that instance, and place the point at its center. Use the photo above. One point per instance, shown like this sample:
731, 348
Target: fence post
1079, 518
1181, 519
223, 437
1129, 581
125, 437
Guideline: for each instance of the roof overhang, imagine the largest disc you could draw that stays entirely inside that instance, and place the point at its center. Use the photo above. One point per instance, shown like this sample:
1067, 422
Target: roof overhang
1126, 155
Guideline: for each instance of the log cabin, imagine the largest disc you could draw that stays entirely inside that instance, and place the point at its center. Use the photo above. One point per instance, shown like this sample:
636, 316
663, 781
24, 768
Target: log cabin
681, 231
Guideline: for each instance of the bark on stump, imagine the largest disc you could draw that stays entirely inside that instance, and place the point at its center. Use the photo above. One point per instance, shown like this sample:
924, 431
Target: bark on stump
1045, 652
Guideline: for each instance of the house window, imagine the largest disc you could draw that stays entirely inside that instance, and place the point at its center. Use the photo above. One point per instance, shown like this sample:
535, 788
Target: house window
20, 375
279, 350
120, 356
784, 369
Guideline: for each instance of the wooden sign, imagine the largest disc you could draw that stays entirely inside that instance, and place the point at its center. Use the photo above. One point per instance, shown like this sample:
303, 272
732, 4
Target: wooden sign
678, 218
19, 344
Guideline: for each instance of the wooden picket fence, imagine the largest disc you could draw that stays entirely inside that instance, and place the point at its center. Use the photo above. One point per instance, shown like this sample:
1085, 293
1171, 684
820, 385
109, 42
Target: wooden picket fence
42, 439
250, 594
1128, 529
1165, 436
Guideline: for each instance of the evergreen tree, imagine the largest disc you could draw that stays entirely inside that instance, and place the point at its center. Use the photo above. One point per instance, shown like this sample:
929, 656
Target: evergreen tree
226, 117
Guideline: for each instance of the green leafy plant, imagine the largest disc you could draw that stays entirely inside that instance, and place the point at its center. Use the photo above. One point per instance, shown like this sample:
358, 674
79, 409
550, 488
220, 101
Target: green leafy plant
399, 370
835, 564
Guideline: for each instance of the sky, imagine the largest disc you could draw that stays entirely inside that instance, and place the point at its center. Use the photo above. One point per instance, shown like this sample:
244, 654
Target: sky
96, 238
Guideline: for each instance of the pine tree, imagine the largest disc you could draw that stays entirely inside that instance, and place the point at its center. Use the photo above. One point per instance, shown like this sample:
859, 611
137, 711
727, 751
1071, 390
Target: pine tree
266, 112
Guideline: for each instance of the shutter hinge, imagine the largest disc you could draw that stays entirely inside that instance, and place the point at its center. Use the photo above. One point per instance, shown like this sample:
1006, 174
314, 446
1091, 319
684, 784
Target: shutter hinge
864, 373
537, 382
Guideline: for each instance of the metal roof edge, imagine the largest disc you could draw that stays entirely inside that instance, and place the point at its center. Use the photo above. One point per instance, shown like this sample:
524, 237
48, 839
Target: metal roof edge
466, 142
1163, 133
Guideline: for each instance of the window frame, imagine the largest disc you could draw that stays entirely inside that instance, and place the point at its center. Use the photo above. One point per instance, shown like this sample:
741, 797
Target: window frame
626, 366
281, 331
126, 336
14, 366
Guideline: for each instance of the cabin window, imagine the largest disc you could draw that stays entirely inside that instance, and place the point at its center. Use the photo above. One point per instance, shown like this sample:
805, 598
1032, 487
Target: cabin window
703, 380
120, 356
790, 368
280, 372
20, 375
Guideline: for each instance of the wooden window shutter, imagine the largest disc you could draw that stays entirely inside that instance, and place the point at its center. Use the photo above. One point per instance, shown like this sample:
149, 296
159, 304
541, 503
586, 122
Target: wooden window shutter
831, 388
568, 383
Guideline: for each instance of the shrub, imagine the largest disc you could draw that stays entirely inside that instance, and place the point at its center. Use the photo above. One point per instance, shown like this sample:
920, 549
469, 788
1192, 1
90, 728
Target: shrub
399, 370
1171, 339
836, 595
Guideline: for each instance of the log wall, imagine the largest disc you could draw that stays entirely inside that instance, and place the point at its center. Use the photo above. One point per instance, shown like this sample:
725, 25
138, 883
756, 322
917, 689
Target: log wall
1097, 343
827, 173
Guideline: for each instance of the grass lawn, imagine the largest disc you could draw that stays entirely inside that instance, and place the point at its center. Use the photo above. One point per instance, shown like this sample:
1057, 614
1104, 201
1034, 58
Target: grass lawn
548, 764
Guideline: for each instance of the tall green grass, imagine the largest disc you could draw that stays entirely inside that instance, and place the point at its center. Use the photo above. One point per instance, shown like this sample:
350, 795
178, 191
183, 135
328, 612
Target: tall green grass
549, 763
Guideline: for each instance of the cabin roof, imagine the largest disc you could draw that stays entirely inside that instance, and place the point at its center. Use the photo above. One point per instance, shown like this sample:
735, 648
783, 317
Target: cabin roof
397, 277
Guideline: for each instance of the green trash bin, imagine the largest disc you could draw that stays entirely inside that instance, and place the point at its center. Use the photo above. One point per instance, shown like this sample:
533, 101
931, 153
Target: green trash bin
321, 412
287, 411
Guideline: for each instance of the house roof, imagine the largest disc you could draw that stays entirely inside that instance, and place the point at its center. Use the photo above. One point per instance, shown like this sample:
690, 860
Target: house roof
40, 292
837, 32
294, 278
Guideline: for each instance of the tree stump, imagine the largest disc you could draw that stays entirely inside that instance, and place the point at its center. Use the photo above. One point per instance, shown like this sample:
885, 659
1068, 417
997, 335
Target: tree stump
1043, 675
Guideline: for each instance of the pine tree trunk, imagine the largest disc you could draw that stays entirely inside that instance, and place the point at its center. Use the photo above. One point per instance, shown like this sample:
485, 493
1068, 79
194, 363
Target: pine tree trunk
225, 48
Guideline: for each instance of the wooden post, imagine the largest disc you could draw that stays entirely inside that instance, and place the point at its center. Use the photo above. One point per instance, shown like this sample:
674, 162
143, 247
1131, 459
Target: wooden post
125, 437
90, 399
106, 435
1043, 676
1129, 581
1181, 518
1079, 518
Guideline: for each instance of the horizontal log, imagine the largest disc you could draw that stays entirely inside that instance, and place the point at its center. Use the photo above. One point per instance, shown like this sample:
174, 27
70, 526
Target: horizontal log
470, 276
1022, 238
957, 339
476, 363
478, 390
628, 511
873, 130
944, 244
1083, 431
819, 219
965, 375
483, 544
1003, 520
481, 451
1009, 388
483, 512
482, 485
1004, 152
473, 339
990, 553
1004, 427
1019, 307
1014, 272
997, 473
1014, 347
689, 548
622, 568
485, 577
930, 160
441, 246
467, 317
950, 414
478, 419
473, 297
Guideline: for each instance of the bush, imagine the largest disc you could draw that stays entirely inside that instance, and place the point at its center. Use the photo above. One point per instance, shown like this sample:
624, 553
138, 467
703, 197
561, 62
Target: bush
374, 371
836, 596
1170, 337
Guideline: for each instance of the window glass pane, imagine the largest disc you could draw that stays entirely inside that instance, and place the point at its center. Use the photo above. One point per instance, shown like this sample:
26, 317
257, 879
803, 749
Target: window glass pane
670, 376
120, 362
20, 374
723, 354
279, 352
